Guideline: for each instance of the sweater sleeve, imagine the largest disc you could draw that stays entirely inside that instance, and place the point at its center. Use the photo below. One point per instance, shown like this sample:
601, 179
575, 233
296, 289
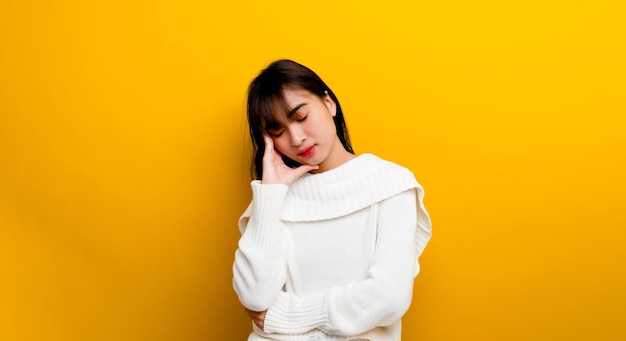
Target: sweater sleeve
259, 270
403, 230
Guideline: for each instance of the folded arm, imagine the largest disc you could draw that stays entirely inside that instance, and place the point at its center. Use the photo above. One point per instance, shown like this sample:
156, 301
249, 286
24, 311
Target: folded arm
379, 300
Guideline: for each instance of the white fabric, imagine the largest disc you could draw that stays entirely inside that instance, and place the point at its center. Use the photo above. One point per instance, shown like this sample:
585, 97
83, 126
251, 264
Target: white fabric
334, 255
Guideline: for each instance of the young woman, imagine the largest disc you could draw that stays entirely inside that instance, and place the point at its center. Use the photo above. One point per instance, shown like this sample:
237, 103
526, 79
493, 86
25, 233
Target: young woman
330, 242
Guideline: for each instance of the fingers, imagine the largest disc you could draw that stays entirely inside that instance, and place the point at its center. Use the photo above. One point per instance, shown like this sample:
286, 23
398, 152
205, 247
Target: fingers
270, 153
274, 169
258, 317
269, 143
298, 172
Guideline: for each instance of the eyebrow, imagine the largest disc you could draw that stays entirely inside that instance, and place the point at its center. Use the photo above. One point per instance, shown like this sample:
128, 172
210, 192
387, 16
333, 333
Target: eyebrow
294, 110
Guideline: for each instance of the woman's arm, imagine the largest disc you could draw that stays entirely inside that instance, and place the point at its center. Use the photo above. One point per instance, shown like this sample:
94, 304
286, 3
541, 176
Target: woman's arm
260, 264
379, 300
259, 270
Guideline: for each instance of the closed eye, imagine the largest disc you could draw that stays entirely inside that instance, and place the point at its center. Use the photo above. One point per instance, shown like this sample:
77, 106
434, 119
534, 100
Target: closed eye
300, 116
275, 132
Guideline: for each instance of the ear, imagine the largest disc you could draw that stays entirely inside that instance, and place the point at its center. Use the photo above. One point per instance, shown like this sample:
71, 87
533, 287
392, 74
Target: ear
330, 104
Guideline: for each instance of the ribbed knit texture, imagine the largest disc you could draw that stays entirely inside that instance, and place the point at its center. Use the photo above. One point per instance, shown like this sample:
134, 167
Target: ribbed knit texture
335, 254
259, 268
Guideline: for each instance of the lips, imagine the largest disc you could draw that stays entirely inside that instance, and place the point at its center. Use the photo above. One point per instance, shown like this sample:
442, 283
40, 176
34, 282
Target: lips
306, 152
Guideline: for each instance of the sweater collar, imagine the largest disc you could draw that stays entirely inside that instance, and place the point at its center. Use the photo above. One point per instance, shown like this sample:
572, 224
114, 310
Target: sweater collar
355, 185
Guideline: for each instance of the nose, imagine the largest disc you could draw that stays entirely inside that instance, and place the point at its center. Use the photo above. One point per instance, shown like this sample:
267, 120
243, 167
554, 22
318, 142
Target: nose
297, 135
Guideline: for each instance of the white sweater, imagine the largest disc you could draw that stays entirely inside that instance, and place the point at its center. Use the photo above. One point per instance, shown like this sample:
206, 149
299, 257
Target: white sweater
334, 255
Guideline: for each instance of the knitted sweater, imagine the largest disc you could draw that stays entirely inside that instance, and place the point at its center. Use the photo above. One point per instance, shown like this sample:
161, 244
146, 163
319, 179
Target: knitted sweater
334, 255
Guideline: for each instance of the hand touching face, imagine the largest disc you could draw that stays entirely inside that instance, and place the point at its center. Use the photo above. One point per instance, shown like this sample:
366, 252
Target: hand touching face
308, 134
274, 169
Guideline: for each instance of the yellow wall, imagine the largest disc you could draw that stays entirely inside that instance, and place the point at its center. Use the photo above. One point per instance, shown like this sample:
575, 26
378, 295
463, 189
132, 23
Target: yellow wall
124, 158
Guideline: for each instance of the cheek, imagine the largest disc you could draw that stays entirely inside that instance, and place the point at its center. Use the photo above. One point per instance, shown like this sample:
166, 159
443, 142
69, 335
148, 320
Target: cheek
280, 144
329, 126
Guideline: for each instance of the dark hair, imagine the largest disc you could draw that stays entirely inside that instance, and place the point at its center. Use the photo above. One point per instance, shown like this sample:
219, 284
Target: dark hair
266, 102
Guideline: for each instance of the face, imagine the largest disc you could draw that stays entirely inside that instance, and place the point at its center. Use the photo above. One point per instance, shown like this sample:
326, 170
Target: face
308, 134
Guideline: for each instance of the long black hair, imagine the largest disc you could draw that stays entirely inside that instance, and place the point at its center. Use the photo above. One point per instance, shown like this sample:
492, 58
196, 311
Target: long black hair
266, 103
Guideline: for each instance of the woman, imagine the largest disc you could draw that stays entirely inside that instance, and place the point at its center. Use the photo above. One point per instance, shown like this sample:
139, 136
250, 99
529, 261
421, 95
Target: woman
330, 241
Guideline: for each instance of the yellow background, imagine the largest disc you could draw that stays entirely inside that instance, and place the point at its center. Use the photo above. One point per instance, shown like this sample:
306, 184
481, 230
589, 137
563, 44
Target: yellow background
124, 161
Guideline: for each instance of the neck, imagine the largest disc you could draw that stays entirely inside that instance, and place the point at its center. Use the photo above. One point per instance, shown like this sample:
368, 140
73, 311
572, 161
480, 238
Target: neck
336, 158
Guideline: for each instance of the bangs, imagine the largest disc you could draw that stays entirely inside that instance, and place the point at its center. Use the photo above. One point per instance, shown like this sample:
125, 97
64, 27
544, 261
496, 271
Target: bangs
272, 111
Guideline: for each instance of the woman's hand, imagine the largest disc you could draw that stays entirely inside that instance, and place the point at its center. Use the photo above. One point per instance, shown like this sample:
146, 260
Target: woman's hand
274, 169
258, 317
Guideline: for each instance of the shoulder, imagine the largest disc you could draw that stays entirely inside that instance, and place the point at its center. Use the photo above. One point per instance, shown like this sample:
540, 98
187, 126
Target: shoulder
385, 171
